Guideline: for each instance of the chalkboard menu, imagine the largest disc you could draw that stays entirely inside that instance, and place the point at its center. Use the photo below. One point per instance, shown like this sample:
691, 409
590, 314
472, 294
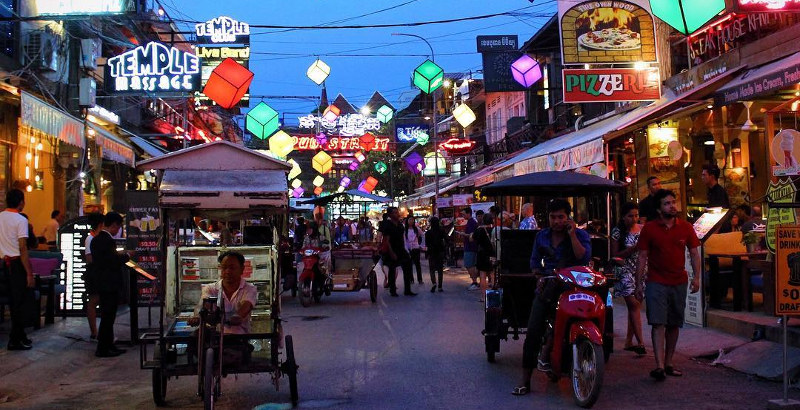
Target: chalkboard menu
144, 228
72, 238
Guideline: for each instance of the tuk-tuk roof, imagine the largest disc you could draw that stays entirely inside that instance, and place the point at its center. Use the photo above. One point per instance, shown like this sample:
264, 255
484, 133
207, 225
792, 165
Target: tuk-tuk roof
552, 183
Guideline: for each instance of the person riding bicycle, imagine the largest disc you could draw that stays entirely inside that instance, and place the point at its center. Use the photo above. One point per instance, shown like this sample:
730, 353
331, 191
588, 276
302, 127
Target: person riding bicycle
560, 245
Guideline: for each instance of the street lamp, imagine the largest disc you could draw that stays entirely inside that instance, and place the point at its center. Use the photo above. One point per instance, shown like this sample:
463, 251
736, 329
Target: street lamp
435, 134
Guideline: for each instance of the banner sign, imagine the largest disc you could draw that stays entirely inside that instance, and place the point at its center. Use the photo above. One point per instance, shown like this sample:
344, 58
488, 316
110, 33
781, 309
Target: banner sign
79, 7
772, 6
733, 31
754, 87
410, 133
597, 32
492, 44
787, 271
782, 192
143, 230
43, 117
310, 143
698, 75
611, 85
580, 156
462, 199
346, 125
153, 69
218, 39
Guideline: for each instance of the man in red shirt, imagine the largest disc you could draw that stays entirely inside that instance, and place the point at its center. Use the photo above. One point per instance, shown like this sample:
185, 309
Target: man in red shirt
662, 248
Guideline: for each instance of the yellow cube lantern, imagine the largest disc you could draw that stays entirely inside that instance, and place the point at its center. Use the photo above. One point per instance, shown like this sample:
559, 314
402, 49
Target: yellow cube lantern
464, 115
297, 183
322, 162
318, 180
281, 144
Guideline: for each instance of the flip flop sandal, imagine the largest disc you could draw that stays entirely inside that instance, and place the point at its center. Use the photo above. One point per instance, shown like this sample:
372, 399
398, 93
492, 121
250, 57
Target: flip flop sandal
520, 390
640, 350
658, 374
671, 371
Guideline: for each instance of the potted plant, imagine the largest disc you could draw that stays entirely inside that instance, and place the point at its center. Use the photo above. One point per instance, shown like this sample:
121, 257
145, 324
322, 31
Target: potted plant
750, 241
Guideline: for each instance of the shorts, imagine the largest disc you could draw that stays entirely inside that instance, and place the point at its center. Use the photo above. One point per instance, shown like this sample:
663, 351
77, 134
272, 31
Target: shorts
665, 304
470, 259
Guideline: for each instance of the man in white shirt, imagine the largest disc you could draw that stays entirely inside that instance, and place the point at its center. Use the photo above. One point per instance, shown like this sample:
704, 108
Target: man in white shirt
238, 296
14, 253
50, 231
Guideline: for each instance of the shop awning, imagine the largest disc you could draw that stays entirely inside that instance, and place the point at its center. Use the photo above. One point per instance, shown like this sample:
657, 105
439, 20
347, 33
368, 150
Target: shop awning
50, 120
236, 189
763, 80
113, 147
148, 147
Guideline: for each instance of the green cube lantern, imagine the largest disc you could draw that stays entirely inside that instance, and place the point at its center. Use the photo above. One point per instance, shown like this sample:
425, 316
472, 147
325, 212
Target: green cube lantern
385, 114
423, 138
381, 167
262, 121
428, 77
687, 16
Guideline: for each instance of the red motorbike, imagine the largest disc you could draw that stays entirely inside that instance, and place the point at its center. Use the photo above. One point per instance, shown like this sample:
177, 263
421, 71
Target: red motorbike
314, 280
577, 333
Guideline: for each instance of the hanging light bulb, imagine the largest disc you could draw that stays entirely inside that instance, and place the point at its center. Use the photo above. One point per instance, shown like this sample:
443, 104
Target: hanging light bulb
39, 146
28, 156
27, 172
36, 161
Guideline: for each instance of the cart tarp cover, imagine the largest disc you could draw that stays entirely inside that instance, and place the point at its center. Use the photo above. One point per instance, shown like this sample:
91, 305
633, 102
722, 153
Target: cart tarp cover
234, 189
324, 200
552, 183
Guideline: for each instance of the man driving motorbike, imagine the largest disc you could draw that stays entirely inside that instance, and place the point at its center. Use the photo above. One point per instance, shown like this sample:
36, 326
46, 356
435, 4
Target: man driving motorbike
560, 245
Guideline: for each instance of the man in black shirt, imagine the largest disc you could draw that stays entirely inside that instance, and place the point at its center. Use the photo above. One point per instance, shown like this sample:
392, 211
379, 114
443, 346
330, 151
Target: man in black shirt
717, 197
396, 255
647, 206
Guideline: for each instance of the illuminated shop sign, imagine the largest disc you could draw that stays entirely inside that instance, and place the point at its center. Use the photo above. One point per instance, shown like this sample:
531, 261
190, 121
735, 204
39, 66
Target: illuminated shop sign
613, 84
345, 125
768, 5
104, 114
411, 133
457, 146
67, 7
309, 143
222, 30
153, 68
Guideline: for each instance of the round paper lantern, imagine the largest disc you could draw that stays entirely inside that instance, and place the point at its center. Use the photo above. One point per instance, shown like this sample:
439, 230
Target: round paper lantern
380, 167
428, 76
385, 114
526, 71
318, 71
464, 115
281, 144
322, 162
318, 180
262, 121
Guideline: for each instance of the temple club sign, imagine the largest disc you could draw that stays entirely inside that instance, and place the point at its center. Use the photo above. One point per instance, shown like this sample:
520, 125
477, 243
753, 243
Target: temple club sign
457, 146
153, 68
309, 143
222, 30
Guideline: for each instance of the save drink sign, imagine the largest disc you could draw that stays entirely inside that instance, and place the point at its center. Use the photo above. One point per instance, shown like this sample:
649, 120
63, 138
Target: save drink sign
787, 277
611, 85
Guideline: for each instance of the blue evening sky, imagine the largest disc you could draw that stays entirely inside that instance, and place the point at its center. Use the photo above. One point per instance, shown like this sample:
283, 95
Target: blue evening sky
280, 58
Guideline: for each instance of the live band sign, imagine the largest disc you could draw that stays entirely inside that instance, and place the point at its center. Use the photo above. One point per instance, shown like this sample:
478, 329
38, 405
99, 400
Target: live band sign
611, 85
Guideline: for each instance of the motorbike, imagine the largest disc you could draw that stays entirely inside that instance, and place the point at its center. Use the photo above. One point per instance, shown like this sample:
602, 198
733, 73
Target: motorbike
315, 279
577, 333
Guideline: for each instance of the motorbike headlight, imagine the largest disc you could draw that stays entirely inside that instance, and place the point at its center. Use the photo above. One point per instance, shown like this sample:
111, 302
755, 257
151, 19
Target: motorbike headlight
308, 252
583, 279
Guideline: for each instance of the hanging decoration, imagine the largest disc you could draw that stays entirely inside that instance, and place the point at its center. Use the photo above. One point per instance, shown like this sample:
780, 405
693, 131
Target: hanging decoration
414, 163
281, 144
360, 156
428, 76
331, 113
367, 141
687, 16
321, 138
380, 167
368, 185
318, 180
385, 114
317, 190
318, 71
298, 192
345, 182
295, 171
464, 115
262, 121
322, 162
228, 83
526, 71
434, 162
423, 138
297, 183
354, 165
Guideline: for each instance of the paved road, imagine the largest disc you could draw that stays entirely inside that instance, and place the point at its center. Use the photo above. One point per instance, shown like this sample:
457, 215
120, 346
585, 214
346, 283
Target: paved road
407, 352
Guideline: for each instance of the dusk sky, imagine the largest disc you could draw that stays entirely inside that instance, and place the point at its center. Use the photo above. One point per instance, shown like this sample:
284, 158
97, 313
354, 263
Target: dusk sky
361, 60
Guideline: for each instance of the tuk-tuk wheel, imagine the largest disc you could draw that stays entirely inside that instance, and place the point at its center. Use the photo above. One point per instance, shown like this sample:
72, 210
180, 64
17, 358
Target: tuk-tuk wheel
290, 368
209, 388
159, 387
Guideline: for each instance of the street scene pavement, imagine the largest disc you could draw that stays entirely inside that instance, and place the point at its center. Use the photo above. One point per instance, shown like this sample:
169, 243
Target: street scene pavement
421, 352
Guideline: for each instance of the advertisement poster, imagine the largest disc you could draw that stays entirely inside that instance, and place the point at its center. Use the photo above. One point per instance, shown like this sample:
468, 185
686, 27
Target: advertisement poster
785, 149
782, 192
787, 271
611, 85
737, 184
597, 32
665, 169
143, 228
658, 140
71, 241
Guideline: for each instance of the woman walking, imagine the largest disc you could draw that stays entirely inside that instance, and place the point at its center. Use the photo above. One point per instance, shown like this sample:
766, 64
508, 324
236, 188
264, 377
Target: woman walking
435, 247
413, 238
623, 245
482, 238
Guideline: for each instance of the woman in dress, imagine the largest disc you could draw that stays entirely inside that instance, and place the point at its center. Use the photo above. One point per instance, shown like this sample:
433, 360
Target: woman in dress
482, 237
413, 238
623, 246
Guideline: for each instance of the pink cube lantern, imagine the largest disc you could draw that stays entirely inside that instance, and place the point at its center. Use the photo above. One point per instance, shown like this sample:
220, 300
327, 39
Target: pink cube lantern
414, 163
228, 83
298, 192
354, 165
322, 139
345, 182
331, 113
526, 71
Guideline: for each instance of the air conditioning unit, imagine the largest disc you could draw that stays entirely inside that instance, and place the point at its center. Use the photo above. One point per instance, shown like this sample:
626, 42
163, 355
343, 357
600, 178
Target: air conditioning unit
41, 50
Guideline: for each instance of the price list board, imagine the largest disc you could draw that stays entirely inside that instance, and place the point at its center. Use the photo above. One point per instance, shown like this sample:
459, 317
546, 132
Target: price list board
143, 234
72, 240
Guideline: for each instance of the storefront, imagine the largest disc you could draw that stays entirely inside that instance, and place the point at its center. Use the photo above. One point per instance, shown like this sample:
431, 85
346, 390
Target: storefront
112, 161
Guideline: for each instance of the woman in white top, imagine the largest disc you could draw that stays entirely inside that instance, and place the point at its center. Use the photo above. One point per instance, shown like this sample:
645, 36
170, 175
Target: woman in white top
413, 239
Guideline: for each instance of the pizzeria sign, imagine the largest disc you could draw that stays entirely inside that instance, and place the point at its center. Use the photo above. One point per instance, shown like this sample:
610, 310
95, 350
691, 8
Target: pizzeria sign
611, 85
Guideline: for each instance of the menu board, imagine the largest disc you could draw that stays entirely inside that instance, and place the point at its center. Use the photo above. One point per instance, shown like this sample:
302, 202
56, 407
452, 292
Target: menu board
72, 240
706, 223
143, 228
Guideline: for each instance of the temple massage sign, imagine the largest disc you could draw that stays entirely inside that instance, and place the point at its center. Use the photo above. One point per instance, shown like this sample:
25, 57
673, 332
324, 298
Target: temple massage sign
604, 32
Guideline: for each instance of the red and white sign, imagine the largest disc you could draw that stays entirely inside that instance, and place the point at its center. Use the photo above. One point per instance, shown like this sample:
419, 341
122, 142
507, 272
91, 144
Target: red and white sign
611, 85
310, 143
457, 146
761, 6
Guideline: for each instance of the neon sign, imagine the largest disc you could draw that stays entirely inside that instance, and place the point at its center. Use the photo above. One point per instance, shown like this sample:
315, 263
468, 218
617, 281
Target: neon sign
345, 125
457, 146
308, 143
64, 7
222, 30
769, 5
411, 133
153, 68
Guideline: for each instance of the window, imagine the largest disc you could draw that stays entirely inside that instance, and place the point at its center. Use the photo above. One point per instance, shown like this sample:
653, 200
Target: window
7, 28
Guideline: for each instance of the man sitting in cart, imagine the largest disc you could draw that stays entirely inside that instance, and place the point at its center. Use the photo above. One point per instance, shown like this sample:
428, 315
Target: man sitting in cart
238, 295
558, 246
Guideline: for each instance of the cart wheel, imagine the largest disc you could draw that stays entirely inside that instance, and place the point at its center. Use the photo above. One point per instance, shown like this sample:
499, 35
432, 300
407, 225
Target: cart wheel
159, 387
291, 370
373, 286
305, 295
492, 344
208, 381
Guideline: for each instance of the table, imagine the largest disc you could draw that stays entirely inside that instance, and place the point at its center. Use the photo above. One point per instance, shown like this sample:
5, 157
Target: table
741, 278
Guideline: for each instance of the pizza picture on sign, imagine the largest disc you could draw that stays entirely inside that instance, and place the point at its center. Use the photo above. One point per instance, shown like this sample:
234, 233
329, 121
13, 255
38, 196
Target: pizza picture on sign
608, 29
611, 39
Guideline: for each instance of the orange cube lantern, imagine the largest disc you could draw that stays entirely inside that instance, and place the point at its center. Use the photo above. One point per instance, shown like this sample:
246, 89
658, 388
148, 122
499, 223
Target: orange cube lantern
228, 83
368, 185
367, 142
317, 190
